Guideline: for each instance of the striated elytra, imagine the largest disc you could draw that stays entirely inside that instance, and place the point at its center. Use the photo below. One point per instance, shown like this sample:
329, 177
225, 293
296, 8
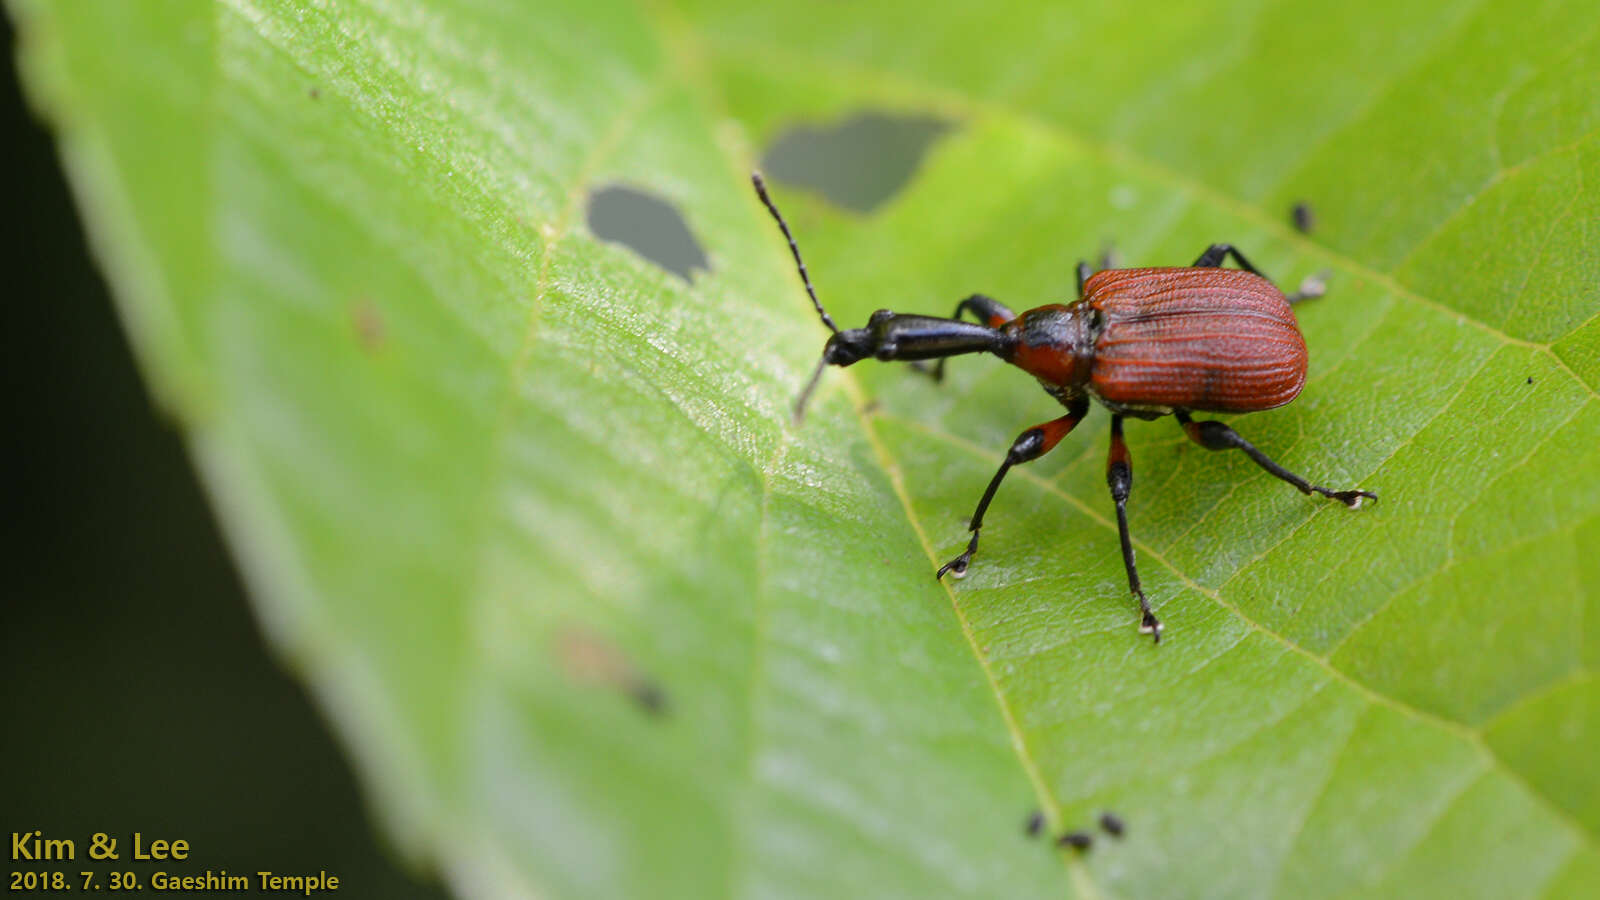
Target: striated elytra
1144, 343
1214, 339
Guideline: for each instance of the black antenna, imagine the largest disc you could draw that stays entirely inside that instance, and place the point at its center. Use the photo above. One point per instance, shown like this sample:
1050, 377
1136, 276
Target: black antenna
761, 191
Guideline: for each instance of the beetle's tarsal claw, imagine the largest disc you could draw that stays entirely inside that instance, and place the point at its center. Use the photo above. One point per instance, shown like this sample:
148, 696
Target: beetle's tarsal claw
1151, 626
956, 567
1353, 499
1312, 287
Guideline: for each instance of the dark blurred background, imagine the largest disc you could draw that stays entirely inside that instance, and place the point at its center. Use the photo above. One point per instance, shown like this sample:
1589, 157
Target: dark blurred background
138, 693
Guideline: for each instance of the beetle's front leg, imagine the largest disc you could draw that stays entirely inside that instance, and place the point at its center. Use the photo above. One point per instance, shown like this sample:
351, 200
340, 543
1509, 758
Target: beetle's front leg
1029, 446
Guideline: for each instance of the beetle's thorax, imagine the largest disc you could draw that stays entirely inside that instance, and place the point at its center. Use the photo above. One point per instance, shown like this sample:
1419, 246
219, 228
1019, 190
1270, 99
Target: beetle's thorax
1055, 344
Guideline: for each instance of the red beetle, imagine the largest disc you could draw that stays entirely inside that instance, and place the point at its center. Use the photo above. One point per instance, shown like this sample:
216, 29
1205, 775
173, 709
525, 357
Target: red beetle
1144, 342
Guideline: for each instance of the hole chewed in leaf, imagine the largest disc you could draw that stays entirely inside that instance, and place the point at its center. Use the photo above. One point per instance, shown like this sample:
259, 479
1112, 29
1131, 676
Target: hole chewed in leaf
647, 225
858, 163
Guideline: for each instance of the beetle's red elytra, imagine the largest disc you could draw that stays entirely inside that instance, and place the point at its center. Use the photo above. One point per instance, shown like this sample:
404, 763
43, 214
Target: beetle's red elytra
1144, 343
1222, 340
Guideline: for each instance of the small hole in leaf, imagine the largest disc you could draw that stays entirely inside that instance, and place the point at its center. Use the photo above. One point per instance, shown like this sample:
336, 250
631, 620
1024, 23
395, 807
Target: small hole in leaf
649, 226
858, 163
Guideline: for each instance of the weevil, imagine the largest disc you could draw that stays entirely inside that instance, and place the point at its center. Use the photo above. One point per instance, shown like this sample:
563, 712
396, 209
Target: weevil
1144, 343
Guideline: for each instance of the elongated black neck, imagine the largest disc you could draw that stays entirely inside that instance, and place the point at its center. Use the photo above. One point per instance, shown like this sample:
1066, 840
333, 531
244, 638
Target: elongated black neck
889, 336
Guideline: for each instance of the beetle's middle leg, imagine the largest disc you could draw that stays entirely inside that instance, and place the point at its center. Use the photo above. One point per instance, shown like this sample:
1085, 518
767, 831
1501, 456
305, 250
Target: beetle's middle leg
1029, 446
1217, 436
1119, 477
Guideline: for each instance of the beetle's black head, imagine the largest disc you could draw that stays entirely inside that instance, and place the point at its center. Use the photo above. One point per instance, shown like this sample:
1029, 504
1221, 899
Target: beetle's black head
850, 346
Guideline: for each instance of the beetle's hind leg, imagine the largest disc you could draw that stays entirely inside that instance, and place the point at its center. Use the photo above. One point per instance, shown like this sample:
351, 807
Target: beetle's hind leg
1119, 477
1217, 436
986, 310
1029, 446
1311, 288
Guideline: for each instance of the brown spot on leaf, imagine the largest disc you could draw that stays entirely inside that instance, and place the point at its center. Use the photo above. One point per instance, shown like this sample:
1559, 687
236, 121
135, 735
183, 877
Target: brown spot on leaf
367, 321
593, 660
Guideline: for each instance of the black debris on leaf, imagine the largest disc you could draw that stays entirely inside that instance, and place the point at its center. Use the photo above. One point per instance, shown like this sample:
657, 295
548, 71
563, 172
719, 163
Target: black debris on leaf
1111, 823
1304, 218
1077, 840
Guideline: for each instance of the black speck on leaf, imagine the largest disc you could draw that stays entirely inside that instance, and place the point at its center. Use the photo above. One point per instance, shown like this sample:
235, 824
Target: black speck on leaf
1077, 840
1304, 219
1112, 823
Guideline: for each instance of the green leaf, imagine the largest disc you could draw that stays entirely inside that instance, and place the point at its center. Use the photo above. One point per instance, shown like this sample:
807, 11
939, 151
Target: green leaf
488, 474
